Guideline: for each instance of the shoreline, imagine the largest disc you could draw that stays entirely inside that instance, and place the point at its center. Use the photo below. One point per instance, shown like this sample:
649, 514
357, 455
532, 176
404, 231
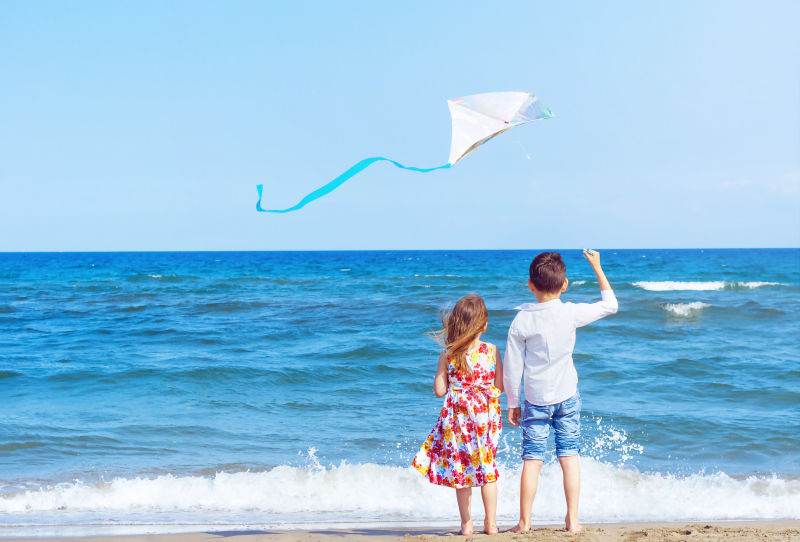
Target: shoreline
762, 530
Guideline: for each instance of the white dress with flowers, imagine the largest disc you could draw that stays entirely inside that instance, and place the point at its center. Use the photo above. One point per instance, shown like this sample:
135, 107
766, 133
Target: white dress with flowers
460, 450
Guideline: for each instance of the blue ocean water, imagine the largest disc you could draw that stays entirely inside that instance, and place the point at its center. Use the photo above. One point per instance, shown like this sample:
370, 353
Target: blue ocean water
282, 388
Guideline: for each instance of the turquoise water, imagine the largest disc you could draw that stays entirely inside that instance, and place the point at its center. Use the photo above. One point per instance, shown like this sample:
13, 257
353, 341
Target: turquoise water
128, 380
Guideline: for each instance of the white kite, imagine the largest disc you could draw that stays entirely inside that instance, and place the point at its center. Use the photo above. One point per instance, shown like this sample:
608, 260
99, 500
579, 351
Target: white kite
475, 120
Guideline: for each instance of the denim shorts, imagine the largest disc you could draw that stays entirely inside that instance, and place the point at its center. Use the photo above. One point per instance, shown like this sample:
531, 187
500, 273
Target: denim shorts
565, 417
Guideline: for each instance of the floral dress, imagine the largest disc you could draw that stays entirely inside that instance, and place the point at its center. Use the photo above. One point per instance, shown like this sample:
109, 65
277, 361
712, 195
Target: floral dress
461, 449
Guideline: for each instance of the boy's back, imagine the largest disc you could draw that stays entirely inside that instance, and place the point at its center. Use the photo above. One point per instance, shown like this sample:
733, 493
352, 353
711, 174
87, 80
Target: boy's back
540, 344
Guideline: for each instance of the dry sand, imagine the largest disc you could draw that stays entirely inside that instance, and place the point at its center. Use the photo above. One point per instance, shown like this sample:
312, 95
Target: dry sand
788, 530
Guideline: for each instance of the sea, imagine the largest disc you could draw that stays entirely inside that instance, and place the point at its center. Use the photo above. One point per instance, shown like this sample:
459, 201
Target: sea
154, 392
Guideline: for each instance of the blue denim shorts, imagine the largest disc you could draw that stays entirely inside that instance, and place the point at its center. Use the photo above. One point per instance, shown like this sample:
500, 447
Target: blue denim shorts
565, 417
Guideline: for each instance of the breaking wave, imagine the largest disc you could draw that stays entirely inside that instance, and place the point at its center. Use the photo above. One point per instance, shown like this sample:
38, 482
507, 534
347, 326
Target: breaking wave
685, 309
671, 285
353, 494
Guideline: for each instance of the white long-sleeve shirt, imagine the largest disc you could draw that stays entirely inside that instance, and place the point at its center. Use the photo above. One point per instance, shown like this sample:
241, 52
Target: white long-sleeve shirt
540, 343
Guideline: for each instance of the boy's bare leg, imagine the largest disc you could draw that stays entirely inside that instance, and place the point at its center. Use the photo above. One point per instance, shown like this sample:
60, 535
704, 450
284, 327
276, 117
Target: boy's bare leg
489, 496
464, 496
571, 467
527, 491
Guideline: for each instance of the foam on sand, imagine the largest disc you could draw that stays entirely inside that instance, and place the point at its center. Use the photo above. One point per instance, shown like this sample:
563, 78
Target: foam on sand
352, 494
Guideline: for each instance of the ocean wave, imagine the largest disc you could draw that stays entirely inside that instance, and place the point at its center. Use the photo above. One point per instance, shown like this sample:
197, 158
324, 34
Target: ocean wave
191, 375
157, 276
227, 306
685, 309
354, 493
671, 285
132, 308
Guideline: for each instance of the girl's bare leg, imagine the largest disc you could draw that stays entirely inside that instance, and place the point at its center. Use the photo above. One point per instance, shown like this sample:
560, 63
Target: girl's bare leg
489, 496
527, 491
570, 465
464, 496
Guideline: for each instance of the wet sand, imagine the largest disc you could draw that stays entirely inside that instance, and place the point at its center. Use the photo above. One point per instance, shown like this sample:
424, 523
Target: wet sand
762, 531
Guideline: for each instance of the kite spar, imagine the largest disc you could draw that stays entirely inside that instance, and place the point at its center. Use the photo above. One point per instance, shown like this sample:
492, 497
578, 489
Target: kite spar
475, 120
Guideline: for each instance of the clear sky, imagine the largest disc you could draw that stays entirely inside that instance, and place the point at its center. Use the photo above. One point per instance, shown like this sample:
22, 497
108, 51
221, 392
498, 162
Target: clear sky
146, 125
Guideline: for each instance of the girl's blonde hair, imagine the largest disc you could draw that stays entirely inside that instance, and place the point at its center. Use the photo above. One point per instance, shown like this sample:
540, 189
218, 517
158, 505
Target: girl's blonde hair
460, 327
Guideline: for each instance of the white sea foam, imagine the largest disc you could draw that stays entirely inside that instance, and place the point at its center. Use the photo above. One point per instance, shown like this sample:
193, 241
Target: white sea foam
672, 285
355, 494
685, 309
757, 284
669, 285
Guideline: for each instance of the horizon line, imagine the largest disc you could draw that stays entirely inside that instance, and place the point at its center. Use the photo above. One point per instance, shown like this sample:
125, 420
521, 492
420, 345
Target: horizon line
377, 250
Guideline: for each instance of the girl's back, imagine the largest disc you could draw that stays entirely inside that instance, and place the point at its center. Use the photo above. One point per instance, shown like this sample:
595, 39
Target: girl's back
482, 364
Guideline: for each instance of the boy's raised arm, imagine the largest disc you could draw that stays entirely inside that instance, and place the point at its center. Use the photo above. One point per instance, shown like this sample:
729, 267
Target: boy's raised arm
593, 257
586, 313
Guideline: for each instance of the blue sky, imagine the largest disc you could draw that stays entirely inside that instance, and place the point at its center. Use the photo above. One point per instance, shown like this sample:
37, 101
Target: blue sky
146, 125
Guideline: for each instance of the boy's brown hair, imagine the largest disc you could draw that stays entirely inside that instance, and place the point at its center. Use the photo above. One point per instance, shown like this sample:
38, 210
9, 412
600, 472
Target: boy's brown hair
547, 272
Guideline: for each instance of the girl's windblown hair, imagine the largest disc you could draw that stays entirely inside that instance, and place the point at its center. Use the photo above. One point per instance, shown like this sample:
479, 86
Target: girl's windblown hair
466, 321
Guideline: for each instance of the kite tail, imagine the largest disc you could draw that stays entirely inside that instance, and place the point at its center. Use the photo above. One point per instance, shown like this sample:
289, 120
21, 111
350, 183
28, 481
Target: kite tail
338, 181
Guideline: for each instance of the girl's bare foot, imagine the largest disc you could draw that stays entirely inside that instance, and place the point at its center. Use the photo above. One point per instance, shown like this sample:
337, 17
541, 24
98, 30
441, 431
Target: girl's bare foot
466, 528
521, 528
490, 528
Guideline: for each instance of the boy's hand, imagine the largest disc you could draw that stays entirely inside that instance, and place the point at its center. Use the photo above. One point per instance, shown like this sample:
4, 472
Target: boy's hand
513, 415
593, 257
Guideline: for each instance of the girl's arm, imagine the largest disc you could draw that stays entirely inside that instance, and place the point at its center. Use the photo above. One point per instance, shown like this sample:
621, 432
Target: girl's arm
440, 380
498, 370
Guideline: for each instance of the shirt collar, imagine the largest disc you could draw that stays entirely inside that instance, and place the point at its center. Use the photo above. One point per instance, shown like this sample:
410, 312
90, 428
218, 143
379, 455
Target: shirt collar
539, 306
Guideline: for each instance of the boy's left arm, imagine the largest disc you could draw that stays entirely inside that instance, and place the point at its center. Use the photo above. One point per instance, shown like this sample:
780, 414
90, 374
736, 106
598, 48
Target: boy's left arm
513, 366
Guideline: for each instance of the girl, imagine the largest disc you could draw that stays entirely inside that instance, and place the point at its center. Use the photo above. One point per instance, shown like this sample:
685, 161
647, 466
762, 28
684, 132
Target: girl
460, 451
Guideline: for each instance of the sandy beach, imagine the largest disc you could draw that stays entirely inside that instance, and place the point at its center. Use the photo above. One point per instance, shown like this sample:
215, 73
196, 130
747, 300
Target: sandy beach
783, 530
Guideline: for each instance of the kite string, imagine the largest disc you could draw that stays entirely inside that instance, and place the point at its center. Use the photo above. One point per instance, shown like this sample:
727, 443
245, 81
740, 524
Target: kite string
528, 156
338, 181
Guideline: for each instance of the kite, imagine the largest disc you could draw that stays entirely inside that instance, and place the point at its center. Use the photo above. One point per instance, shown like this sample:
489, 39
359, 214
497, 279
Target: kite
475, 120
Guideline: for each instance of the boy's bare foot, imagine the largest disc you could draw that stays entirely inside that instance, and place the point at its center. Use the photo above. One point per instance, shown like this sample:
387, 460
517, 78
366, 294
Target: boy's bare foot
572, 527
520, 528
466, 528
490, 528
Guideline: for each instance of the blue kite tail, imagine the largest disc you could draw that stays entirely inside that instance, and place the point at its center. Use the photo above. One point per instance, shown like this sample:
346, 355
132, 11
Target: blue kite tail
338, 181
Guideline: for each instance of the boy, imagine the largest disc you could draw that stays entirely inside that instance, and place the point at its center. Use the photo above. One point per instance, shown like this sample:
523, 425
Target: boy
540, 343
